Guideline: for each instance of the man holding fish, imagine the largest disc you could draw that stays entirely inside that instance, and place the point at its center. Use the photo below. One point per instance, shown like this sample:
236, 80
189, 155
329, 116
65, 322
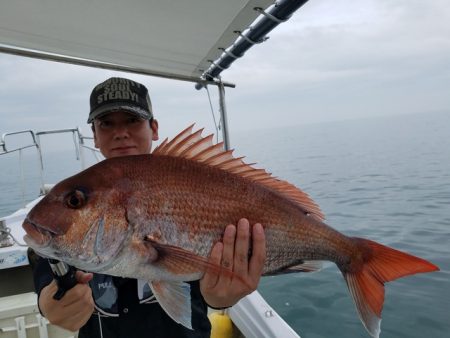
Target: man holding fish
105, 306
163, 219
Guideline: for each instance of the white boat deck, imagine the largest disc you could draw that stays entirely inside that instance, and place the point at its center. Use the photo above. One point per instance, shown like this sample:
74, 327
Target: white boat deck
15, 256
20, 318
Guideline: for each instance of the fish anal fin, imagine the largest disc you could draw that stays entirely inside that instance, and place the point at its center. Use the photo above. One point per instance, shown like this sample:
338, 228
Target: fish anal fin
301, 266
366, 279
175, 299
306, 266
192, 146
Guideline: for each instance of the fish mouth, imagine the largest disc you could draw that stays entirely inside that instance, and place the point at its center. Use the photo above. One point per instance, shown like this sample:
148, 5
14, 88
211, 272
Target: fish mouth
37, 236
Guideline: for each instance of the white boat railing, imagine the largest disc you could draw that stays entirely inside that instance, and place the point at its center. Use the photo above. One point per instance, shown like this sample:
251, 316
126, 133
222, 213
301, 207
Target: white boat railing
79, 142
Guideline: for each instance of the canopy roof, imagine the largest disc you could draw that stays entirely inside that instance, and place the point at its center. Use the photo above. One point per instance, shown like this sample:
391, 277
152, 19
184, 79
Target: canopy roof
170, 38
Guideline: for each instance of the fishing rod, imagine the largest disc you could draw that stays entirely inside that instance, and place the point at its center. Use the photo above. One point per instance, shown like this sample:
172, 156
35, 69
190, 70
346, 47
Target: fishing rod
64, 275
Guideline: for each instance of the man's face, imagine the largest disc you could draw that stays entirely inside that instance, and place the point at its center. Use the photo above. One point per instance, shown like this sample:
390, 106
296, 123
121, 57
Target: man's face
120, 133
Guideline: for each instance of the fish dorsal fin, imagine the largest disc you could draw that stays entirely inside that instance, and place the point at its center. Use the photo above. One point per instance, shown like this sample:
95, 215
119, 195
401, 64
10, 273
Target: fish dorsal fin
192, 146
166, 146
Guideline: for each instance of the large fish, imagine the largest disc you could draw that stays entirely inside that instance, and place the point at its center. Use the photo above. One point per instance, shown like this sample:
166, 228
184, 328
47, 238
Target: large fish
156, 217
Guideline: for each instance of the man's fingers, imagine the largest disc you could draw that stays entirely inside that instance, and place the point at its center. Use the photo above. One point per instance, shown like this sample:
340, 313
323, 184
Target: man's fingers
226, 262
226, 288
211, 275
241, 248
83, 277
74, 315
228, 247
256, 265
74, 295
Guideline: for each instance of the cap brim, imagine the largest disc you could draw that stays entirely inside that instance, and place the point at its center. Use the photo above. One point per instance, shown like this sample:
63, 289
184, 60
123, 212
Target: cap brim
106, 109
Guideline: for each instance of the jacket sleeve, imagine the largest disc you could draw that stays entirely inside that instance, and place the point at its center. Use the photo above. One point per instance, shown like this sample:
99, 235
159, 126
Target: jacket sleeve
42, 274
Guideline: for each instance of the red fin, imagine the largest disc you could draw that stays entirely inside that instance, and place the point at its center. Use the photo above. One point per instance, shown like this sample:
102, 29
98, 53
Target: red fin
307, 266
366, 283
166, 147
302, 266
175, 299
179, 260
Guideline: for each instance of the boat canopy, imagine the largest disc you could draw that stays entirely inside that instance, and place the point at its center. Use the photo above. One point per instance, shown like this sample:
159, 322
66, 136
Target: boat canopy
187, 40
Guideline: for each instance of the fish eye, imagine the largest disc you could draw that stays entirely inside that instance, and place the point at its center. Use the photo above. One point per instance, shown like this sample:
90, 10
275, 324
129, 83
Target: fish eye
76, 199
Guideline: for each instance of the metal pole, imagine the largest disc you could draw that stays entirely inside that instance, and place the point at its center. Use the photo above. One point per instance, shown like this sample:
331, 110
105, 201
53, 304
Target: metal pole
22, 178
80, 149
38, 147
41, 55
223, 116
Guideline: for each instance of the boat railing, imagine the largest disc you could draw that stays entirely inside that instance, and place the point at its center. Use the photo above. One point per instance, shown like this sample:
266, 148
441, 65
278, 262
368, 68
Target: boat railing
5, 238
33, 140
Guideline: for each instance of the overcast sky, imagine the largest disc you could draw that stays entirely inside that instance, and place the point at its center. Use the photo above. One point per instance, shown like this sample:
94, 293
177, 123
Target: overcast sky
333, 60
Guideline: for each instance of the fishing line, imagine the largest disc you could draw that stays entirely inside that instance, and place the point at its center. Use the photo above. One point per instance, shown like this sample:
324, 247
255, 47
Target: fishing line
217, 126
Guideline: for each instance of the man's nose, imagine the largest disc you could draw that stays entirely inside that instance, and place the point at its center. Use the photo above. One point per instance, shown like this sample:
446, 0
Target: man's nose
121, 131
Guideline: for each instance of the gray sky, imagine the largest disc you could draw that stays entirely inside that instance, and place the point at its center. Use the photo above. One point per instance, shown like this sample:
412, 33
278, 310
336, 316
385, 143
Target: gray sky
333, 60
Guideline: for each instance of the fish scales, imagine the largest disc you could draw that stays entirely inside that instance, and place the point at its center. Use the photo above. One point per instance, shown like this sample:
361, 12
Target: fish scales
201, 201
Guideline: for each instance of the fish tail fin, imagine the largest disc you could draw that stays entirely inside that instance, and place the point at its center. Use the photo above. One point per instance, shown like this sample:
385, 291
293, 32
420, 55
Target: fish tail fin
365, 279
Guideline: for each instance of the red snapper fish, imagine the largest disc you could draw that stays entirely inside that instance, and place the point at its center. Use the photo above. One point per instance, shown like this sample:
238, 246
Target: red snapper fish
156, 217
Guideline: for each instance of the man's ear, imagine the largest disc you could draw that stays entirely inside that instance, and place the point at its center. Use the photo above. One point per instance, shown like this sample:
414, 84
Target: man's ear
154, 126
95, 136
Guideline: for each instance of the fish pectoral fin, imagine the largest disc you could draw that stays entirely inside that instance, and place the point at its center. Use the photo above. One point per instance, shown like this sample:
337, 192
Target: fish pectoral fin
175, 299
180, 260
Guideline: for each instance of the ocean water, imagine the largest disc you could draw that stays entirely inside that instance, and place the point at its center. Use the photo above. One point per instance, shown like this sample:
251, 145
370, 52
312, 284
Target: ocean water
386, 179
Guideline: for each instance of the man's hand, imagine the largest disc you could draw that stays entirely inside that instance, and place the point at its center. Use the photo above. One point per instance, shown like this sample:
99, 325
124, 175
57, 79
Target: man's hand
222, 289
73, 310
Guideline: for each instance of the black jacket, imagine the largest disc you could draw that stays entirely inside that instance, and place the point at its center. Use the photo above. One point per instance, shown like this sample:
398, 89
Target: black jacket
135, 320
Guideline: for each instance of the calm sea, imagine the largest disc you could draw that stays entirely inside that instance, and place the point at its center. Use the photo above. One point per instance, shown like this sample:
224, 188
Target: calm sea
387, 179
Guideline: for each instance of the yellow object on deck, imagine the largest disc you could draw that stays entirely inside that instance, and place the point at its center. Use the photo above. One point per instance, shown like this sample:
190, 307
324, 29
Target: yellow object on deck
221, 325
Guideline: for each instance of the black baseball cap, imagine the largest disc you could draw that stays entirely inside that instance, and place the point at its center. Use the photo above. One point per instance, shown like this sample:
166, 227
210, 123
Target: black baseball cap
121, 94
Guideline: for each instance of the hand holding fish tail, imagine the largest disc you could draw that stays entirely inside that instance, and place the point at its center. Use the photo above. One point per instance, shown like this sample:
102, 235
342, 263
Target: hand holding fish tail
222, 289
73, 310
